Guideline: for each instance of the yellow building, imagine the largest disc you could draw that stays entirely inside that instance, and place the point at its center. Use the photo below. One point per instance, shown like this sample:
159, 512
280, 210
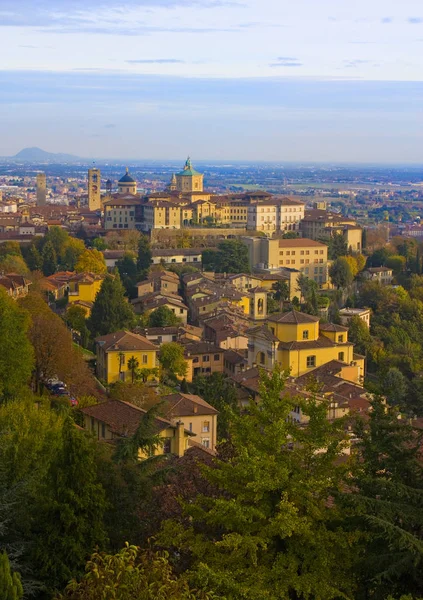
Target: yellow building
318, 224
127, 184
189, 180
41, 189
115, 419
94, 189
115, 351
198, 416
299, 343
160, 215
120, 213
304, 255
83, 289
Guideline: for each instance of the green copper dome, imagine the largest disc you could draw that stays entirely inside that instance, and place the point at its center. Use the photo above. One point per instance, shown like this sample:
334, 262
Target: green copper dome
188, 171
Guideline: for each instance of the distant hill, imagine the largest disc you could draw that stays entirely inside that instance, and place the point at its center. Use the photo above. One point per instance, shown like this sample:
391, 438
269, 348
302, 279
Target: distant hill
39, 155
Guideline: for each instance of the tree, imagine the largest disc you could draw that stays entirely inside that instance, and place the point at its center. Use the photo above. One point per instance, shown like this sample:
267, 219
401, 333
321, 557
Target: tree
163, 317
111, 311
129, 275
394, 386
144, 256
10, 583
396, 262
10, 249
133, 365
16, 354
386, 494
340, 273
359, 334
171, 357
217, 390
13, 264
131, 574
49, 257
145, 440
337, 246
71, 253
230, 257
76, 319
271, 530
55, 354
99, 243
33, 258
70, 511
91, 261
364, 239
281, 291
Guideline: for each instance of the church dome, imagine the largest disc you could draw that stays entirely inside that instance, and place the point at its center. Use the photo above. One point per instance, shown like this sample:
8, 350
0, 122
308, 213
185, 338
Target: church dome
127, 178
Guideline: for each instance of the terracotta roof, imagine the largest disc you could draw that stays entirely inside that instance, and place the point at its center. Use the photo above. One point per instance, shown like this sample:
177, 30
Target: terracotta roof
264, 331
186, 405
235, 358
124, 340
201, 348
332, 327
121, 417
321, 342
293, 317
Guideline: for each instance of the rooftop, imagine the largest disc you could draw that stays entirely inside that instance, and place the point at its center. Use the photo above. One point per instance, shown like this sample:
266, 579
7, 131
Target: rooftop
124, 340
293, 317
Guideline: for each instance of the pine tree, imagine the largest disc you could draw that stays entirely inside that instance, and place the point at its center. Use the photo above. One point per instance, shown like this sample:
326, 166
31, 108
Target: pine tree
388, 495
10, 583
70, 514
111, 311
49, 257
272, 532
144, 256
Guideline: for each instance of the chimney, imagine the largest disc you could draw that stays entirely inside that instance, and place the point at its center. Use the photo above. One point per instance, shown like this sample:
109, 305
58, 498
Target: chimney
180, 439
195, 408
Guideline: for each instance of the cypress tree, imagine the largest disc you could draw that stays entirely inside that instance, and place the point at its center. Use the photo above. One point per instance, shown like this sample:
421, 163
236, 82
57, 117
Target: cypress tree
10, 583
49, 257
111, 311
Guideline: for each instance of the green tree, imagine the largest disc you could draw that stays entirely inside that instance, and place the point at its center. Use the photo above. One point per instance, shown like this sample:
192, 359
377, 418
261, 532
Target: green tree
337, 246
359, 334
13, 264
129, 275
76, 319
70, 511
131, 574
33, 259
49, 258
91, 261
99, 244
230, 257
16, 354
271, 531
217, 390
10, 249
387, 492
340, 273
144, 256
281, 291
171, 357
10, 583
394, 386
163, 317
144, 441
111, 311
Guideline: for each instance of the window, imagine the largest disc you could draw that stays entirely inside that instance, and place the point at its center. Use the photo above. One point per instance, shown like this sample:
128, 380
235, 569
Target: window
341, 356
167, 446
307, 252
216, 357
288, 252
181, 310
195, 359
206, 427
262, 358
92, 424
305, 334
206, 358
206, 442
190, 426
144, 359
341, 339
103, 430
311, 362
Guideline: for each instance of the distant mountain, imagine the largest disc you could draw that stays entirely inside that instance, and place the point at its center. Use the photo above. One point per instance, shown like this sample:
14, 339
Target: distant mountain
39, 155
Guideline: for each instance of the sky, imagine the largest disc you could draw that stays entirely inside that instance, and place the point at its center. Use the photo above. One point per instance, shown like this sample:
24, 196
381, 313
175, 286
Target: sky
271, 80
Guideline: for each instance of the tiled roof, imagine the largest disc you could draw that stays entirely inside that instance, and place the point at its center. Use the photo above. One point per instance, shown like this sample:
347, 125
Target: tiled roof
263, 331
293, 317
124, 340
332, 327
121, 417
321, 342
192, 348
185, 405
300, 243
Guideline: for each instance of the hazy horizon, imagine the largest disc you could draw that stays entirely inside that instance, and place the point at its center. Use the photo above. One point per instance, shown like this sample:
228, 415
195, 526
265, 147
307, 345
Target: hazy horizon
227, 79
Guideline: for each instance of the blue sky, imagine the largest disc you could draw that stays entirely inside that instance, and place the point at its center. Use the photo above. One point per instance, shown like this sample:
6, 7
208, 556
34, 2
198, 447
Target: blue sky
314, 80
